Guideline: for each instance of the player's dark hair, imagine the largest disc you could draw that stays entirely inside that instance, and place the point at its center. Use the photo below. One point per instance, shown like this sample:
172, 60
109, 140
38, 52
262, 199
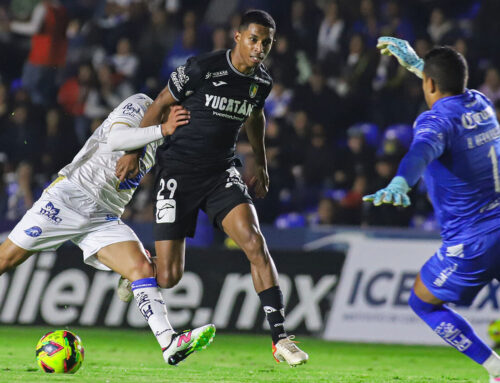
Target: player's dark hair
447, 68
259, 17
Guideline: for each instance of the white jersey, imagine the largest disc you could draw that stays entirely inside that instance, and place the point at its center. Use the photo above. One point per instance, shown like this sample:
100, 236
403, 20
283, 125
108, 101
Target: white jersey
93, 168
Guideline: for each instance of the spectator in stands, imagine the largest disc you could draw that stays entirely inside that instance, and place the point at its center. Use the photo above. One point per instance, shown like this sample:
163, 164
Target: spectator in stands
283, 62
4, 107
124, 60
21, 135
184, 47
318, 159
58, 145
367, 24
47, 27
319, 102
328, 213
439, 27
395, 23
220, 39
158, 37
331, 35
491, 84
278, 101
21, 191
110, 92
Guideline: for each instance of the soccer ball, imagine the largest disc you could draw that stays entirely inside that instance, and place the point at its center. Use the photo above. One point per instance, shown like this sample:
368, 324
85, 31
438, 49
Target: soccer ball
494, 331
59, 351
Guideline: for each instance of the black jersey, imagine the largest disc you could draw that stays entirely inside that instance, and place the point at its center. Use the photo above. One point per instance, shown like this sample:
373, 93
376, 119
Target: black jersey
220, 99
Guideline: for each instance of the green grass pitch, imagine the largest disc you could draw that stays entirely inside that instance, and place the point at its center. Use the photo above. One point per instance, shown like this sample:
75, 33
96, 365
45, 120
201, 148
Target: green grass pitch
125, 356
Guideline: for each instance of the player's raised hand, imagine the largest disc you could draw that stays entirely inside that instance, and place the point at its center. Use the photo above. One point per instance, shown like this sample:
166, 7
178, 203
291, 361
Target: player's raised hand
395, 194
403, 52
127, 166
261, 182
177, 116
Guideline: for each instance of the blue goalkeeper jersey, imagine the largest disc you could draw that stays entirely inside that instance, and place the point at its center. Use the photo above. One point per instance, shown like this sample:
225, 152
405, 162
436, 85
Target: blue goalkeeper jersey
464, 180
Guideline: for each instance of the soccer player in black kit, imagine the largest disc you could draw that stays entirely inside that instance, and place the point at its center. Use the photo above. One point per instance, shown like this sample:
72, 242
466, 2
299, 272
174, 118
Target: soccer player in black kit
219, 92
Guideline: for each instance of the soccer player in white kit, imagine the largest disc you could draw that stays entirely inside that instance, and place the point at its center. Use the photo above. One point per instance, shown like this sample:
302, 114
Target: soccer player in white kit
84, 205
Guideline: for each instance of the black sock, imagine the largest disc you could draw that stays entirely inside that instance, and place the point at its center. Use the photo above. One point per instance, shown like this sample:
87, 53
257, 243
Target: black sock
272, 303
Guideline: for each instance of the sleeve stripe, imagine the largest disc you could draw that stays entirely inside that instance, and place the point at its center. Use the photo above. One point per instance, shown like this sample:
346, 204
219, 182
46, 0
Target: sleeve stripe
172, 93
120, 122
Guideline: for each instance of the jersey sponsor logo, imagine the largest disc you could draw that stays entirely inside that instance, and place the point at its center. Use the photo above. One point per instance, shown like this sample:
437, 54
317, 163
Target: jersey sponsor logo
34, 231
471, 120
242, 109
179, 78
219, 83
253, 90
130, 110
220, 73
165, 211
51, 213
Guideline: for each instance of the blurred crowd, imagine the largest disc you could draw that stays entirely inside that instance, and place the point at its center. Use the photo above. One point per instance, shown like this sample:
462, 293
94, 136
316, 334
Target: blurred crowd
339, 117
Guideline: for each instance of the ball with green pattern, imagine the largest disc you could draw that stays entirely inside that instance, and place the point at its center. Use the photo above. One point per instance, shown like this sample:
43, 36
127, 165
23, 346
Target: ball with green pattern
59, 351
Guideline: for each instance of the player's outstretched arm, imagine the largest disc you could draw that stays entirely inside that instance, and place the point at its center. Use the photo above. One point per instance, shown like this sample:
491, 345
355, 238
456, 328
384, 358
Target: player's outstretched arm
124, 137
404, 53
255, 128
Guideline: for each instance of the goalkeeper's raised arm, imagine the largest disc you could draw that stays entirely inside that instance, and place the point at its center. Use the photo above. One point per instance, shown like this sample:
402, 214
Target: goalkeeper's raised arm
404, 53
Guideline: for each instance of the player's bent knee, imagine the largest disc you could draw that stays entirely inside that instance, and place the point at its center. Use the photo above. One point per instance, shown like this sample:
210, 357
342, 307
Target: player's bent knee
419, 306
254, 248
142, 269
169, 278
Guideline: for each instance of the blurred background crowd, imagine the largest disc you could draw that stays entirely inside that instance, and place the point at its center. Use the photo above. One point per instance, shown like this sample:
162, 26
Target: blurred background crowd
339, 117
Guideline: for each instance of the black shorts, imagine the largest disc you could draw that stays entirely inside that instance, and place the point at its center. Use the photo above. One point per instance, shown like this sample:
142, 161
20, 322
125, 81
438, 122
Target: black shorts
179, 196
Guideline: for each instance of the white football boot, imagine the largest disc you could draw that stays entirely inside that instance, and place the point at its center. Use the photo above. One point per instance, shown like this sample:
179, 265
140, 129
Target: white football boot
186, 342
494, 379
286, 350
124, 290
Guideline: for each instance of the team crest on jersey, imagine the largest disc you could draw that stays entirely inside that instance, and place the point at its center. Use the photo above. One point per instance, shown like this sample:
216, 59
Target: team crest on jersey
51, 213
253, 90
34, 231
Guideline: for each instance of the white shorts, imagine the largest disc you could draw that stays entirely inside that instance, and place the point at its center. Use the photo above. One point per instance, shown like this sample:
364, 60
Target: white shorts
63, 213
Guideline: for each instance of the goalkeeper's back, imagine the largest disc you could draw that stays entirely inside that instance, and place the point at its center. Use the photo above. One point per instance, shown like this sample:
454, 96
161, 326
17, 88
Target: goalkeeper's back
464, 180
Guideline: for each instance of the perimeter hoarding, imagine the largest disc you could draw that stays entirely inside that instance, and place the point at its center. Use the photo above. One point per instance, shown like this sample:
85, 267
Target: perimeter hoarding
371, 301
58, 289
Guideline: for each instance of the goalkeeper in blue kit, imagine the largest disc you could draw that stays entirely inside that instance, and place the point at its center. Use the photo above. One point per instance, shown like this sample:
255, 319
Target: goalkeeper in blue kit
456, 148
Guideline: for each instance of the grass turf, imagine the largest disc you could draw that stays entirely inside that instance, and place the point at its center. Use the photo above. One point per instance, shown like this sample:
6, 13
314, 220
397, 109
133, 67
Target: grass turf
134, 356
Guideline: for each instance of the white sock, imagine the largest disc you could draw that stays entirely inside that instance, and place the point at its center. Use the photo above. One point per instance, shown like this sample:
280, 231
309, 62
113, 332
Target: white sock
152, 307
492, 364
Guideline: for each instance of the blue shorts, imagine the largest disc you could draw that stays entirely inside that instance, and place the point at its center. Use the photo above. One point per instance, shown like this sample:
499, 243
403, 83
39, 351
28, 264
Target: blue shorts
457, 272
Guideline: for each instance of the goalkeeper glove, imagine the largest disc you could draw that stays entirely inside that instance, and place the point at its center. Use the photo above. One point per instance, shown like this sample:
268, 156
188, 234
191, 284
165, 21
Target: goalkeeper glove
394, 193
403, 51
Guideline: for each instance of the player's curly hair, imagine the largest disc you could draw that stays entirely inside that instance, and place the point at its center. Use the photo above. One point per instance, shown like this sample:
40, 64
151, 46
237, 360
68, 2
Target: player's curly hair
447, 68
257, 16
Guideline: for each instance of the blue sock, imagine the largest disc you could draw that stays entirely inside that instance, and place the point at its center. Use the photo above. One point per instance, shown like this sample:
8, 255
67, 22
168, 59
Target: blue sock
452, 328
